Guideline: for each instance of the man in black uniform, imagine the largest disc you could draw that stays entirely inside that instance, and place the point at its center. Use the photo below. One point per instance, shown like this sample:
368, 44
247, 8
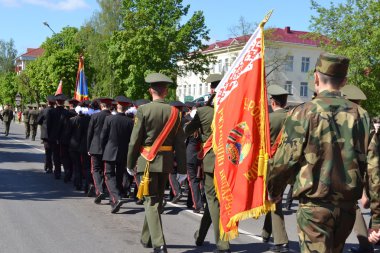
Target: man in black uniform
61, 133
46, 120
95, 149
115, 136
25, 115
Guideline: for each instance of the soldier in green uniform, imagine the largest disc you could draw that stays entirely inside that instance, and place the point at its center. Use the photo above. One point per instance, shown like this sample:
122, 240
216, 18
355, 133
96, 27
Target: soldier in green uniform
374, 182
274, 221
150, 126
202, 120
33, 122
7, 117
25, 115
356, 95
323, 148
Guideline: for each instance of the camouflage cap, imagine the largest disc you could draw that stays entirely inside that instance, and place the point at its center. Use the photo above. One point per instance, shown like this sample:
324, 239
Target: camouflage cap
155, 78
352, 92
276, 90
332, 65
214, 79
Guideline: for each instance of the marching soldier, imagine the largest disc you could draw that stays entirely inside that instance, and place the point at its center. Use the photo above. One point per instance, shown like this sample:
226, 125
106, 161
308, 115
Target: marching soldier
33, 121
356, 95
202, 120
115, 136
46, 120
7, 117
274, 221
156, 134
94, 147
25, 115
323, 148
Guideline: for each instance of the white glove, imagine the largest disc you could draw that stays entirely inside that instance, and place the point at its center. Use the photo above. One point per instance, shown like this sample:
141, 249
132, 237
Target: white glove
181, 178
130, 172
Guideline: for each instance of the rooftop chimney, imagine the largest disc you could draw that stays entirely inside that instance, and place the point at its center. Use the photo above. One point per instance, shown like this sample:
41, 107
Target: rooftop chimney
287, 29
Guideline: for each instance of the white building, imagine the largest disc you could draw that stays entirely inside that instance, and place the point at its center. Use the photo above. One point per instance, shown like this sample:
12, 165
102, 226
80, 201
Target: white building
290, 59
30, 55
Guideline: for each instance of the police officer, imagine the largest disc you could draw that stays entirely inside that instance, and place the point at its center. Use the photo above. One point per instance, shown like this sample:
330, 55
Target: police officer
94, 147
202, 120
115, 136
25, 115
156, 134
274, 221
7, 117
33, 117
46, 121
323, 148
356, 95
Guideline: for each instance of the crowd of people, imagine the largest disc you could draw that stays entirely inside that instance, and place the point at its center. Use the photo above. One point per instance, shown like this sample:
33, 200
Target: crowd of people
327, 149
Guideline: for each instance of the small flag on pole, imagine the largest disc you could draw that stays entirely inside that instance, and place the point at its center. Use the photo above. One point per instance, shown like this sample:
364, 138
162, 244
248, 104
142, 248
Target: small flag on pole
241, 139
59, 89
81, 90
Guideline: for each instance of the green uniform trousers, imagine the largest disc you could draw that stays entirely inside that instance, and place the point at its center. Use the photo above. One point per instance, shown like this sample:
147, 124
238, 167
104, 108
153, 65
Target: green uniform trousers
27, 130
274, 224
211, 214
324, 228
152, 228
33, 130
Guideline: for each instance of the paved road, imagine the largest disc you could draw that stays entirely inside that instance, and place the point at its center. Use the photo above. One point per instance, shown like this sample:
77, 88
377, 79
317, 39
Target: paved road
39, 214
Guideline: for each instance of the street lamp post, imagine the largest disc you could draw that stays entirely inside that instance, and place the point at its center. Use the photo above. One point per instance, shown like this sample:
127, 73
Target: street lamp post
46, 24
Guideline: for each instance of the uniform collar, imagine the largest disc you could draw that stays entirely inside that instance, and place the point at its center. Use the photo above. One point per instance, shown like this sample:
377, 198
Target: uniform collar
160, 100
330, 94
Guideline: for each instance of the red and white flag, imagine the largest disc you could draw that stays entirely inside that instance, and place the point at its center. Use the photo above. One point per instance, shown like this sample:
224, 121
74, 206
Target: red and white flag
241, 140
59, 89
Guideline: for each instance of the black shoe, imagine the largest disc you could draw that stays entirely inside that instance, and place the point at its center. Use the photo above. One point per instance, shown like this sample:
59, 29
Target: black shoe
198, 241
265, 239
99, 198
282, 248
140, 202
161, 249
362, 250
289, 207
116, 206
91, 191
222, 251
176, 198
146, 245
198, 210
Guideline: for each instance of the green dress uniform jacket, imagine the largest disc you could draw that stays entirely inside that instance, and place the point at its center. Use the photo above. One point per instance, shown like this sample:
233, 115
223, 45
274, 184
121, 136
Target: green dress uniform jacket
276, 119
149, 122
202, 120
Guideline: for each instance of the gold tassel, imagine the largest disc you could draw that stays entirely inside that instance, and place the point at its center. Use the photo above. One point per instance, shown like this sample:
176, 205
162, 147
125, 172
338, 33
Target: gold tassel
144, 184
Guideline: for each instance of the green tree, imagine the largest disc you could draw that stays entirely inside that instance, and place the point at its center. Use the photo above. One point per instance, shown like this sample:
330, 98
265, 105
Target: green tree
7, 55
8, 87
154, 38
352, 29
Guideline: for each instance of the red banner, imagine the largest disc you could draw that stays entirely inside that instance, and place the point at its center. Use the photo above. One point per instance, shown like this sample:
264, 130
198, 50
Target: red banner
241, 139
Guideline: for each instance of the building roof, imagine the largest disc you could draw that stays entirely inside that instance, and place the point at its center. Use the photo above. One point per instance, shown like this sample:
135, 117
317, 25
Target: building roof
285, 35
31, 54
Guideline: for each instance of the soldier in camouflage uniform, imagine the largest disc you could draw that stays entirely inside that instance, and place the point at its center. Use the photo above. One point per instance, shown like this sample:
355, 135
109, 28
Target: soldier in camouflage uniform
323, 148
33, 122
356, 95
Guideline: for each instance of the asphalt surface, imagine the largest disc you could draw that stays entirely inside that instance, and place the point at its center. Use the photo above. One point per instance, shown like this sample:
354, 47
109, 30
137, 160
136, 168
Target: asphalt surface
39, 214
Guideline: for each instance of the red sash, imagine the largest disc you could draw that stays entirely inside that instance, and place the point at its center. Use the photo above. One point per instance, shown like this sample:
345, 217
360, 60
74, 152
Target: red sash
207, 146
277, 142
149, 153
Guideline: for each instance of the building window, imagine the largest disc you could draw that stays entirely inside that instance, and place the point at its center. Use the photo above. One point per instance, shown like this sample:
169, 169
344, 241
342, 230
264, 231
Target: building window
305, 64
226, 65
289, 63
288, 87
220, 66
303, 89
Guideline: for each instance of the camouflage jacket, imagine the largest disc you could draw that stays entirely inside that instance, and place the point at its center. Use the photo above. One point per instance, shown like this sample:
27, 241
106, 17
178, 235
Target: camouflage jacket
374, 179
323, 148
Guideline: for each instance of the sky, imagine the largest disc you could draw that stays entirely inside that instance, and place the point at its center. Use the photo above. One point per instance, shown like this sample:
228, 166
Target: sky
22, 20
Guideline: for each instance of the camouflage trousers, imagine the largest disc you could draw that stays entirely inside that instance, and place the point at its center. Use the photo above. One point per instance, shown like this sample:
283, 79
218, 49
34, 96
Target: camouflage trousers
324, 227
